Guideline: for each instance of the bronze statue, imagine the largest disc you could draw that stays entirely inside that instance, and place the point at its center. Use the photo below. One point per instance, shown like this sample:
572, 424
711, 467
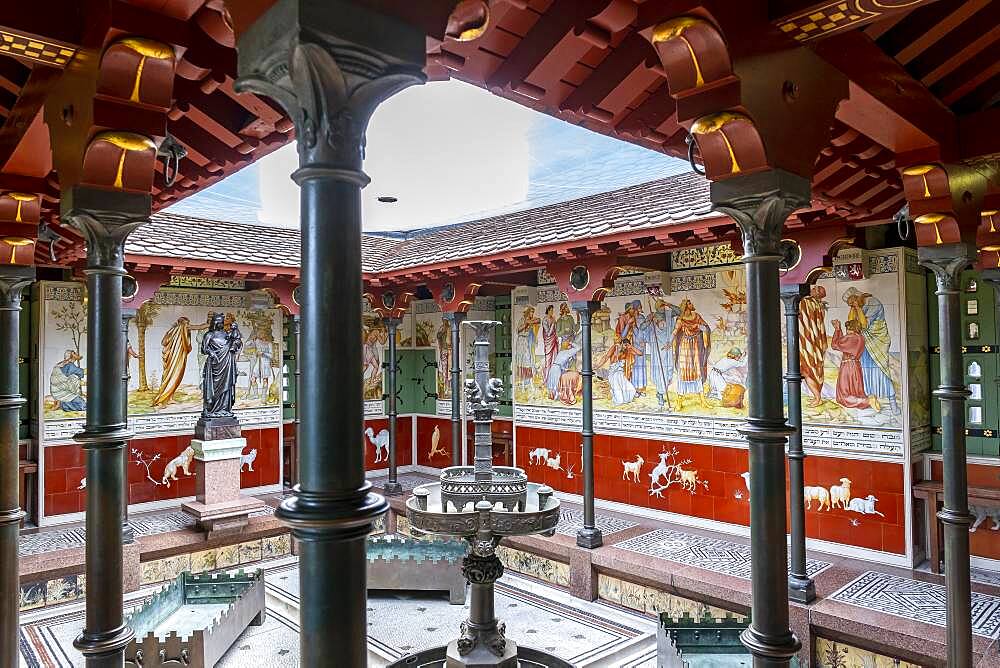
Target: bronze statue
220, 347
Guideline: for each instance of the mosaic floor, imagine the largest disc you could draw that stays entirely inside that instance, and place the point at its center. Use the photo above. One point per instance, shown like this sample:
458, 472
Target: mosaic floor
720, 556
917, 600
571, 521
586, 634
407, 480
146, 524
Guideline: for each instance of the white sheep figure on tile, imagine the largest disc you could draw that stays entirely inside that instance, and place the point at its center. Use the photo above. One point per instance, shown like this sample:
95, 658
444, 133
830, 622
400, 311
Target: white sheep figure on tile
865, 506
381, 442
820, 494
840, 495
553, 462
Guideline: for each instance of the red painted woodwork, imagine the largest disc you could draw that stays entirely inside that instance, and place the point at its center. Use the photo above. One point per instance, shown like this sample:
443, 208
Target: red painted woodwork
64, 468
726, 499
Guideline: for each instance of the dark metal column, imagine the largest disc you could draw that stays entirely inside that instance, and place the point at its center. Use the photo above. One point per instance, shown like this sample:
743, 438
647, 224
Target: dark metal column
13, 281
947, 263
297, 331
760, 203
392, 486
456, 319
104, 219
800, 585
589, 535
303, 54
128, 533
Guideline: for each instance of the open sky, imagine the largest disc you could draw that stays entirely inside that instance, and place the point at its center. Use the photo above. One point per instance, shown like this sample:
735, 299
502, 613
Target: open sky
449, 152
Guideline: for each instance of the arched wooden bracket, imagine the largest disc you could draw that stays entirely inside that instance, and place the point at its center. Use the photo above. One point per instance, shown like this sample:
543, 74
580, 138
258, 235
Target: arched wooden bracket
693, 54
587, 280
139, 70
389, 302
119, 161
455, 294
946, 203
817, 248
729, 145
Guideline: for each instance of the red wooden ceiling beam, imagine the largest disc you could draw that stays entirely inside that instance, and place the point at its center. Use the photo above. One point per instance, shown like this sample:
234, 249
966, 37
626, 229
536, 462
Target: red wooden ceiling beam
813, 20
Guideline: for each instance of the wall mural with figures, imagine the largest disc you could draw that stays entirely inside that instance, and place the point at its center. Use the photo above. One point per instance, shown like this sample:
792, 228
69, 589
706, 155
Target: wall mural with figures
164, 390
675, 345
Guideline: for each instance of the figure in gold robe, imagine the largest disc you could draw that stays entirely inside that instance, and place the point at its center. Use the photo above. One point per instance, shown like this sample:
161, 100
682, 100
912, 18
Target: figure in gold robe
176, 345
692, 343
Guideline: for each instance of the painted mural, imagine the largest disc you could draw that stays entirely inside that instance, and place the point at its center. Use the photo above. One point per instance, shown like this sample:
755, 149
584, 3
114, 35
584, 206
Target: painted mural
164, 356
374, 341
682, 351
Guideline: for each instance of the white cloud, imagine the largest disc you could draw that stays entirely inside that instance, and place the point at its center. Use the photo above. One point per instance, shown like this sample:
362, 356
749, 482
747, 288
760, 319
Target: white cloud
444, 150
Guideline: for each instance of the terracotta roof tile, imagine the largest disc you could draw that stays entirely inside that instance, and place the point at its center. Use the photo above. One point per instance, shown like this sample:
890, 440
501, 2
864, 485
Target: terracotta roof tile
679, 198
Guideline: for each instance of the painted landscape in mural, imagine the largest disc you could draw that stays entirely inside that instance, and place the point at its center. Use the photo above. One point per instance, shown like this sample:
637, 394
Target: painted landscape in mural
163, 351
684, 352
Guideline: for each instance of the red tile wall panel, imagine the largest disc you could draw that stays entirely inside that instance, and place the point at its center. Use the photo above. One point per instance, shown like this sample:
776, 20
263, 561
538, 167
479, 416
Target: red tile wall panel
983, 542
425, 438
64, 469
404, 440
713, 486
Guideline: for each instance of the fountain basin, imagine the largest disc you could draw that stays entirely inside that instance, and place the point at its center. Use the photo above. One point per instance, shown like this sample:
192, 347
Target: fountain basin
430, 511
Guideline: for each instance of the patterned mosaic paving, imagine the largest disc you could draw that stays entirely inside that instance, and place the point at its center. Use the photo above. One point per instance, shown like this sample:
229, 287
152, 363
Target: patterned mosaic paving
146, 524
917, 600
720, 556
571, 521
986, 577
586, 634
407, 480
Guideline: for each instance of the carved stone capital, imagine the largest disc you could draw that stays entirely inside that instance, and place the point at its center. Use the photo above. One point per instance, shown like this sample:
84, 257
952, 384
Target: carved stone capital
791, 297
105, 219
13, 281
947, 263
760, 204
306, 56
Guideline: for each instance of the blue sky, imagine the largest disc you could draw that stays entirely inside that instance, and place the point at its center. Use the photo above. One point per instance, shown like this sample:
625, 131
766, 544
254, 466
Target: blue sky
449, 152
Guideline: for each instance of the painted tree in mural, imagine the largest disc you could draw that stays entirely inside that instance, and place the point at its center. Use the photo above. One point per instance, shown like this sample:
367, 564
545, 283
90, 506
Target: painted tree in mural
70, 317
144, 319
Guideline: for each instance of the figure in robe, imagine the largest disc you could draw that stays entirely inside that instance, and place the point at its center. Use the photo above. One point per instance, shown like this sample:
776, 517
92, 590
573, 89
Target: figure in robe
642, 345
221, 346
625, 328
373, 341
850, 382
727, 379
870, 314
66, 383
622, 389
692, 343
527, 334
550, 341
560, 365
444, 351
658, 332
566, 327
813, 342
176, 345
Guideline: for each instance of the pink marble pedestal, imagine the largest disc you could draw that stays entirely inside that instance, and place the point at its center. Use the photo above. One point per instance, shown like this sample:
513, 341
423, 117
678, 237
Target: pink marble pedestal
219, 507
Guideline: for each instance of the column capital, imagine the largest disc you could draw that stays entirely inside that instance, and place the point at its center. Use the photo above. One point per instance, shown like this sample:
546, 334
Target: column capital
305, 56
947, 263
791, 296
760, 203
13, 280
588, 307
105, 218
455, 317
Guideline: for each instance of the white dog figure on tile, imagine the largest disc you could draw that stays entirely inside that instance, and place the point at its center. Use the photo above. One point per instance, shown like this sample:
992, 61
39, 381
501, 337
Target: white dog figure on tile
181, 461
248, 459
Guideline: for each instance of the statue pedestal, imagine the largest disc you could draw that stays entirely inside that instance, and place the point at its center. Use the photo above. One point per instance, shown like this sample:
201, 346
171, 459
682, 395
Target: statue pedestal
219, 507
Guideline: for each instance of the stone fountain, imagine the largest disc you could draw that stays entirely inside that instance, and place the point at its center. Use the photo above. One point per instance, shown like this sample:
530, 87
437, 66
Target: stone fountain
482, 504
